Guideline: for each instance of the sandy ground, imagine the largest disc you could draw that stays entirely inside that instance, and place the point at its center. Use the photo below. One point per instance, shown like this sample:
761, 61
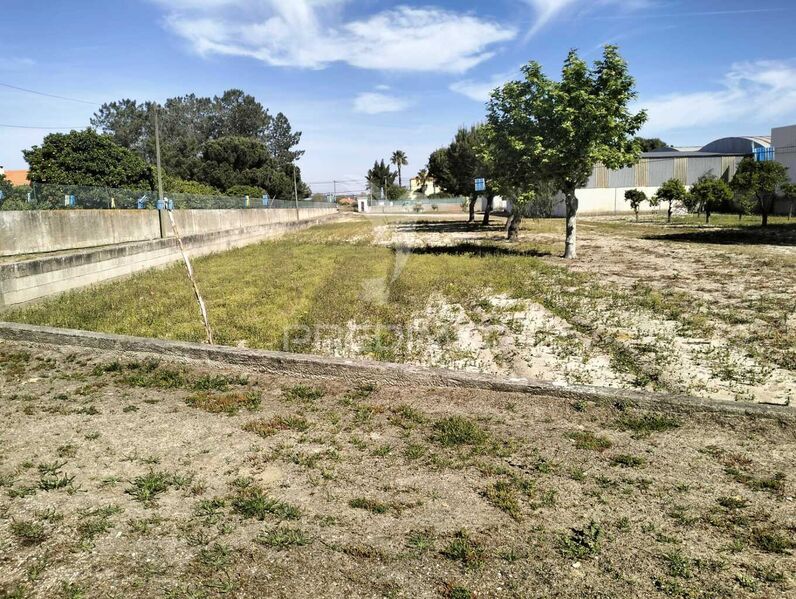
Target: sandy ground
737, 281
126, 477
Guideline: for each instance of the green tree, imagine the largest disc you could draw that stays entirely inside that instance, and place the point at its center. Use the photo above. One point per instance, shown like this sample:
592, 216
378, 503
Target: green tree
231, 161
708, 194
86, 158
672, 191
648, 144
6, 187
382, 177
560, 130
282, 141
788, 191
422, 180
399, 160
456, 167
759, 180
636, 197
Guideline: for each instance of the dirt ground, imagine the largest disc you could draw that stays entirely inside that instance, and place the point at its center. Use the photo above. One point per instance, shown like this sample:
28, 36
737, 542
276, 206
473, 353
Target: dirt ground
698, 315
124, 476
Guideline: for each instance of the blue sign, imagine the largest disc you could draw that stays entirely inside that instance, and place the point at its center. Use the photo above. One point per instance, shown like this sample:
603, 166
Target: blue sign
480, 184
266, 200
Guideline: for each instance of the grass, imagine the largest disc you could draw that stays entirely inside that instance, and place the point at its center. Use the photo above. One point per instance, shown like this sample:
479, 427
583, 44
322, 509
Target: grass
290, 309
503, 495
456, 430
646, 424
28, 532
283, 537
227, 403
582, 542
253, 502
268, 427
589, 440
464, 549
148, 487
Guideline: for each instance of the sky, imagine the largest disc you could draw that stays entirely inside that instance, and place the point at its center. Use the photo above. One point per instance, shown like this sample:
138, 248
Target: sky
363, 78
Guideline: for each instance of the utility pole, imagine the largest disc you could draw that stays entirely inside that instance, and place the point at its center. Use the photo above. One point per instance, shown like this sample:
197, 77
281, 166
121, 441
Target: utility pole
157, 155
334, 183
295, 190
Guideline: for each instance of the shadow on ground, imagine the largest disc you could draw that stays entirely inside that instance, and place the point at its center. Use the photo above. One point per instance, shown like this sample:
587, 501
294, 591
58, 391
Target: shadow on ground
447, 227
779, 234
478, 250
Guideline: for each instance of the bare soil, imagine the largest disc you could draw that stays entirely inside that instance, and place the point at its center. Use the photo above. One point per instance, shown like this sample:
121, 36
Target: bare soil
122, 476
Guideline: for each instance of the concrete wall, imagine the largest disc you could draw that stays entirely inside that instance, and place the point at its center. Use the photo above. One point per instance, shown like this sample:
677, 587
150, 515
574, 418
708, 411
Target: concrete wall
784, 141
609, 200
36, 231
29, 280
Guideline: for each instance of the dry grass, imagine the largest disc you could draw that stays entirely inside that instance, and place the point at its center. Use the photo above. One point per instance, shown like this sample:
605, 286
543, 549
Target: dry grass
327, 490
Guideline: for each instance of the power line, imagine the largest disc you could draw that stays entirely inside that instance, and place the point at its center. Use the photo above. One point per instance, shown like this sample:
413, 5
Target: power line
79, 128
33, 91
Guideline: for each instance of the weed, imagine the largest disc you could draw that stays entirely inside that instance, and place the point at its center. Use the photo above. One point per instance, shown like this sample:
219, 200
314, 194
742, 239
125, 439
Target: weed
503, 496
146, 488
267, 427
415, 451
588, 440
283, 537
253, 502
457, 430
732, 503
304, 393
130, 408
647, 424
420, 540
224, 403
67, 451
372, 505
678, 565
28, 532
582, 542
464, 549
772, 540
627, 461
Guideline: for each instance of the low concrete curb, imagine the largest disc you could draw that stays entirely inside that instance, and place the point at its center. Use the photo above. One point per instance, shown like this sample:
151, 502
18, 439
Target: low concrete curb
366, 371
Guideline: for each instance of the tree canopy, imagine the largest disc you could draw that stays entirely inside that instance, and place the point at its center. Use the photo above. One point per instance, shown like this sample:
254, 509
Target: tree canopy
648, 144
188, 125
382, 176
557, 131
399, 159
672, 191
635, 197
759, 181
86, 158
708, 195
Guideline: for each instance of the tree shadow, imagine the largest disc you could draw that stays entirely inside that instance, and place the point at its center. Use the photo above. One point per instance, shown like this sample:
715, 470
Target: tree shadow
777, 234
477, 250
449, 226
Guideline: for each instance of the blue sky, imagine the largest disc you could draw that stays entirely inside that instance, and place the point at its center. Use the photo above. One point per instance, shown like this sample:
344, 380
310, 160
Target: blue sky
362, 78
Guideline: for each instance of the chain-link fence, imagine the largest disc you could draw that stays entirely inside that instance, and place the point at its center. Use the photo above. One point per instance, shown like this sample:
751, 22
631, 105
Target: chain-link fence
42, 196
419, 206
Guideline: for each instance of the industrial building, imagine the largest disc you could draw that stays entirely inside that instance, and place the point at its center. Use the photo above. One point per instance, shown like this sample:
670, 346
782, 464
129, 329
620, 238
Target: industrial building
605, 191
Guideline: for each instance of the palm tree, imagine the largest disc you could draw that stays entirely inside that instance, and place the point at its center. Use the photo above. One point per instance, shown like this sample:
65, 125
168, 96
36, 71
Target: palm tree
422, 180
399, 160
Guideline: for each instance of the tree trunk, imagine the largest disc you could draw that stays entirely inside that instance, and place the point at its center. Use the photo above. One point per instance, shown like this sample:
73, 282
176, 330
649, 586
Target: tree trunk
707, 217
400, 183
572, 212
790, 209
473, 200
636, 211
514, 226
764, 211
669, 213
488, 208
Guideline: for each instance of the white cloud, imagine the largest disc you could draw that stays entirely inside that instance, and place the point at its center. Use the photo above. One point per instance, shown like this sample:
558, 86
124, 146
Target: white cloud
313, 34
480, 90
377, 103
752, 91
548, 10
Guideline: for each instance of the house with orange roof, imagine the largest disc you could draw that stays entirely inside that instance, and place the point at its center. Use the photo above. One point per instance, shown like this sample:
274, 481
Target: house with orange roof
16, 177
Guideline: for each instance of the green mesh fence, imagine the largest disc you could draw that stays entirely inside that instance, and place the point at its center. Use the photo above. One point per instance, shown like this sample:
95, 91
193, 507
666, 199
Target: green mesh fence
58, 197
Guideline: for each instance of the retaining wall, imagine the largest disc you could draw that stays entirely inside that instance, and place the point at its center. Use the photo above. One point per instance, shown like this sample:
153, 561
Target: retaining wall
382, 373
36, 231
29, 280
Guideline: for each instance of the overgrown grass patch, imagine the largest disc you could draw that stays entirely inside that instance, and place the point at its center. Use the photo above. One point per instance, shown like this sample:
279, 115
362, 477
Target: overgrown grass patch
457, 430
266, 427
225, 403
